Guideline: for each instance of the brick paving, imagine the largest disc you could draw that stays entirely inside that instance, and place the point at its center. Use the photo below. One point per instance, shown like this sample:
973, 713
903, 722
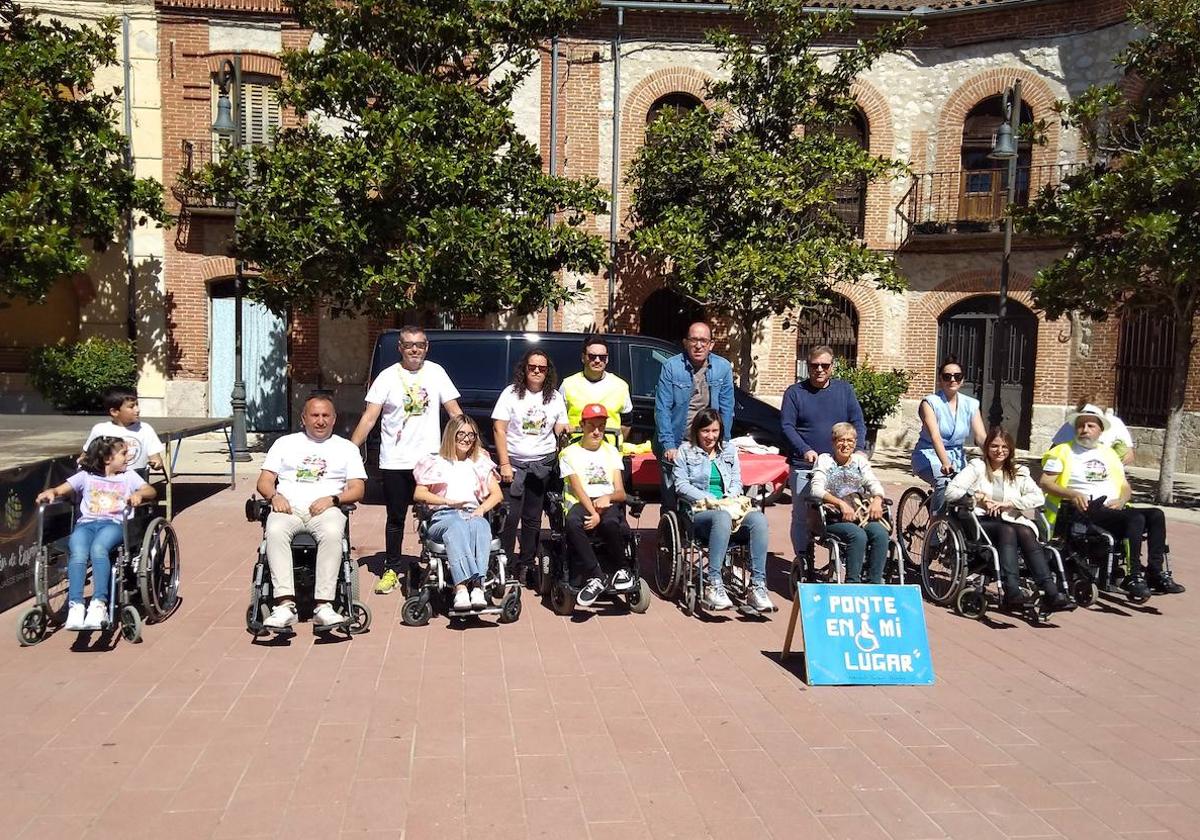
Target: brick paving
598, 726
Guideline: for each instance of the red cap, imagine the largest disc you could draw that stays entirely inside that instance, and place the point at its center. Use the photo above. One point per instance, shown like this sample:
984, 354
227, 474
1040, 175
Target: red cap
593, 410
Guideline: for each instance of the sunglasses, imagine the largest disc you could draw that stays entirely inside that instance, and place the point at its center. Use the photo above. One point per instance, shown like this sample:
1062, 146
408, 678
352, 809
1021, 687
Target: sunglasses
537, 368
465, 436
820, 365
952, 377
597, 357
414, 345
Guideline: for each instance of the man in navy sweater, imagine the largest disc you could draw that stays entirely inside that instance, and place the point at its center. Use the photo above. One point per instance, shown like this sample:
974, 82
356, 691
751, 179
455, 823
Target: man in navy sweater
810, 408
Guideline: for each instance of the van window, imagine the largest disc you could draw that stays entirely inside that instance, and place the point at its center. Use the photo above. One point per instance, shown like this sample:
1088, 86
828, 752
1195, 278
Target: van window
473, 364
645, 364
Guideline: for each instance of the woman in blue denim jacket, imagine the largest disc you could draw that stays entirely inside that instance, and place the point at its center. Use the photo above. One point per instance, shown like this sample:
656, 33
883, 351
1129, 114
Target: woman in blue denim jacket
706, 467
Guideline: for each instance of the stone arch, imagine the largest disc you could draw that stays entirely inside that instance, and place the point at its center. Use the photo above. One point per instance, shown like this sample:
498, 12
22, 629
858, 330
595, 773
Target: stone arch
881, 141
262, 64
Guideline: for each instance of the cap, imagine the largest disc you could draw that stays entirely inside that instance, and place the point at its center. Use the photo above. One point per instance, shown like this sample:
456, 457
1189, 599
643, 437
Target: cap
591, 411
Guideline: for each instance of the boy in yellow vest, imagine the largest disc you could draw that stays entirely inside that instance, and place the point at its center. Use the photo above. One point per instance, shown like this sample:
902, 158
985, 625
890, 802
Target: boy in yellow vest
1088, 476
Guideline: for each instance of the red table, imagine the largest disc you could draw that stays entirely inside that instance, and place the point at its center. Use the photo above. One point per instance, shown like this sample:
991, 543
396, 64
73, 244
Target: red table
756, 469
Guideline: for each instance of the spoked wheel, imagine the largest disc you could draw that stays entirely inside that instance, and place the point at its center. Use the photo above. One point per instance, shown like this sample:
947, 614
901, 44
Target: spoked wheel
912, 522
360, 618
667, 565
943, 562
1084, 591
639, 598
417, 610
510, 607
562, 599
131, 623
158, 569
971, 603
32, 626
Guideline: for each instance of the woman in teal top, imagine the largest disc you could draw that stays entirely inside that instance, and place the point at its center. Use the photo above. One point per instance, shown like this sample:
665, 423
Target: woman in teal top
948, 417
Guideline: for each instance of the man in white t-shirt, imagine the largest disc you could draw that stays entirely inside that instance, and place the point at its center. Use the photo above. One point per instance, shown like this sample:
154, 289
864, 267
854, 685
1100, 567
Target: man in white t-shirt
408, 395
307, 476
143, 449
1116, 434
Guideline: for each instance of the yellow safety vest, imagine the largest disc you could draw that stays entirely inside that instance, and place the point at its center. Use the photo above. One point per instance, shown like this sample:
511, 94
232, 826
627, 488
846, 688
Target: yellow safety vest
1063, 453
612, 392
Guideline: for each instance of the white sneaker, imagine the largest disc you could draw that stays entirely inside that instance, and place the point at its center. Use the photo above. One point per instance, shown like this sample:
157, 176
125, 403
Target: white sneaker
590, 592
326, 616
478, 599
281, 618
759, 599
97, 615
715, 597
462, 600
74, 616
622, 580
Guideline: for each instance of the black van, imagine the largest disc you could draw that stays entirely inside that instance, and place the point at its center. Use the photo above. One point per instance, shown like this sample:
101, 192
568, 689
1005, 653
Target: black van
480, 364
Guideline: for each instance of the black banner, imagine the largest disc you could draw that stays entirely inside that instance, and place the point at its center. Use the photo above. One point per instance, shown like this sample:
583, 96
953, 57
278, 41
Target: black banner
19, 487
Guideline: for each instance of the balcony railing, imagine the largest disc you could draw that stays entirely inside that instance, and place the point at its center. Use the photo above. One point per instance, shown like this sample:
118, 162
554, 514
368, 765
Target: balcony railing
196, 155
968, 201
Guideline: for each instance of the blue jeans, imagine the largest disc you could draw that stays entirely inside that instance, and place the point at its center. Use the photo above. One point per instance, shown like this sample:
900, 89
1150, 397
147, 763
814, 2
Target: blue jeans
468, 541
859, 541
91, 540
937, 483
799, 487
716, 528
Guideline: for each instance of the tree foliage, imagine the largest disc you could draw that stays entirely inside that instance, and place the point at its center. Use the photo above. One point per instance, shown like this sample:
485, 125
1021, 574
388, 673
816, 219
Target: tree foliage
423, 193
64, 177
739, 200
1131, 217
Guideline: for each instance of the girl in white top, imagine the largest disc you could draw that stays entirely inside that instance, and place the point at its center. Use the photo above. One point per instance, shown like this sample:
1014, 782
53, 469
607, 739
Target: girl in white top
1006, 498
460, 485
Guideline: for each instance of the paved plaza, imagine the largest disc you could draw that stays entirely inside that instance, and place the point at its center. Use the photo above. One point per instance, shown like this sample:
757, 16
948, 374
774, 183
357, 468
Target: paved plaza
599, 726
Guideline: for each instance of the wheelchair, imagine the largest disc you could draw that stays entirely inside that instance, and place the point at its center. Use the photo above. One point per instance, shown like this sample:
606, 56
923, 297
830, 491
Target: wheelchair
1094, 559
431, 588
960, 565
144, 588
304, 566
820, 517
682, 561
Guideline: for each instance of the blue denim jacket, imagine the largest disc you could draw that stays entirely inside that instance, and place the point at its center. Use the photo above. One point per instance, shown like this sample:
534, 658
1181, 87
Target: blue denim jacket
692, 472
674, 393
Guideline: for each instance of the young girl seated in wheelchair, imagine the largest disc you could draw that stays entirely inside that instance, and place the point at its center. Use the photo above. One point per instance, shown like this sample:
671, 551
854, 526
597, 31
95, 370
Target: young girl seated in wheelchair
843, 482
708, 470
460, 486
105, 491
1005, 495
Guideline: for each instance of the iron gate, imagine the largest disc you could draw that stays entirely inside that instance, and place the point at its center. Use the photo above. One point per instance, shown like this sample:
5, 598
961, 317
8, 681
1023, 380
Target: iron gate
1144, 369
834, 323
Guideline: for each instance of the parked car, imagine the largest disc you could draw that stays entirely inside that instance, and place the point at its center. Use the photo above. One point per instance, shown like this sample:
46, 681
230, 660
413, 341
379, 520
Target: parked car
480, 363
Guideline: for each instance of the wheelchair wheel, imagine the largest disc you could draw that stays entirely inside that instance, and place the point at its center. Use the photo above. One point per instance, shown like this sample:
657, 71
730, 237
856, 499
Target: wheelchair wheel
667, 566
562, 599
32, 626
510, 607
417, 610
691, 601
253, 627
912, 522
943, 562
50, 585
131, 623
971, 603
360, 618
639, 598
544, 580
158, 570
1084, 591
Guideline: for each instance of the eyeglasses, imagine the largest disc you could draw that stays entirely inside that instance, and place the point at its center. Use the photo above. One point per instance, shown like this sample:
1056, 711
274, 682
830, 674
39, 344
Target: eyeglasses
820, 365
700, 342
465, 436
537, 368
414, 345
952, 377
597, 357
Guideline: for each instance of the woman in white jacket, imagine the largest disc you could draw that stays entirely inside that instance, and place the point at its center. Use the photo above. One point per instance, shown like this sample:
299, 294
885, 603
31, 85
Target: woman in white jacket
1006, 498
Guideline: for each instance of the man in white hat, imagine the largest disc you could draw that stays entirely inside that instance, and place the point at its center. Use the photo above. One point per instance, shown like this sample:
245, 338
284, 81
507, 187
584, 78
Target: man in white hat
1088, 476
1116, 434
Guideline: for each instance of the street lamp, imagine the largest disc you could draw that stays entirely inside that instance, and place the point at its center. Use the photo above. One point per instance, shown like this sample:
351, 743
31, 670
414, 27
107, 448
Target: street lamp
227, 127
1005, 148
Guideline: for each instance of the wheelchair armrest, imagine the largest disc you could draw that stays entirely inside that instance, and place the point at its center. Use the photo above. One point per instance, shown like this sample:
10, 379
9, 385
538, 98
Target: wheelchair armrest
348, 508
257, 510
636, 505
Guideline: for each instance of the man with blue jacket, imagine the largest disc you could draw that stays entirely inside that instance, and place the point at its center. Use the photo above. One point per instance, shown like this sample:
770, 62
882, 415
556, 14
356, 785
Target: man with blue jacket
694, 379
810, 409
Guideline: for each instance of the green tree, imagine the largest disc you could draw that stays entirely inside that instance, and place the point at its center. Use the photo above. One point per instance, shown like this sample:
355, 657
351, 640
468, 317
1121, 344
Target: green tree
1131, 219
411, 186
64, 175
738, 202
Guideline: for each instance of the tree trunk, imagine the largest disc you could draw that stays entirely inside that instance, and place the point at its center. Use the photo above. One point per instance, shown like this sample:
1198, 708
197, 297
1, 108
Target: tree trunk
746, 352
1181, 362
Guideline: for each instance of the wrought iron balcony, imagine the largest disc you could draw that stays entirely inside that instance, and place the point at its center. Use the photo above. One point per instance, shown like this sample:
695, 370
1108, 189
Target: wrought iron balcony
196, 155
938, 204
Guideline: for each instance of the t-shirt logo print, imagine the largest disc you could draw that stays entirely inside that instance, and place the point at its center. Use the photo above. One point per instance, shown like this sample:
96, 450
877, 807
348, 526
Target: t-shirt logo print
1094, 469
596, 474
534, 422
416, 400
312, 468
104, 499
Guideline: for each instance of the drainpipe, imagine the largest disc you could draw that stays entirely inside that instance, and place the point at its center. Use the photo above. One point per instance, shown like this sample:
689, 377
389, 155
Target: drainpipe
616, 165
553, 143
131, 283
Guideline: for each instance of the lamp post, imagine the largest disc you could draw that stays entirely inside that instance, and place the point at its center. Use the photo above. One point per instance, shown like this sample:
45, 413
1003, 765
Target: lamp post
1005, 148
227, 127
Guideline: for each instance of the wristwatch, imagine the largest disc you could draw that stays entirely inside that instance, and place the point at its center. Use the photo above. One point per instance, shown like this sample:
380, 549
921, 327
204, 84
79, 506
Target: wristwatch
337, 501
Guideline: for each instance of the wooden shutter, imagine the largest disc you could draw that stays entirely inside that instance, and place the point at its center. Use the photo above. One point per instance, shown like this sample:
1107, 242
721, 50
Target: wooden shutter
260, 111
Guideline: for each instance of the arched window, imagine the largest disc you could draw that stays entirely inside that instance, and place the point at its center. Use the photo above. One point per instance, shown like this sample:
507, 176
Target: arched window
834, 323
984, 180
678, 102
852, 199
666, 314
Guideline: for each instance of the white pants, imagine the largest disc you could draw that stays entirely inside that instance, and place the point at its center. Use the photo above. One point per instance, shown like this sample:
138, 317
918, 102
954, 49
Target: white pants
327, 529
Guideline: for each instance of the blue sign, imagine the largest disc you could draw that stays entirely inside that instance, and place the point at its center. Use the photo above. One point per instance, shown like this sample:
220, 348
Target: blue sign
858, 634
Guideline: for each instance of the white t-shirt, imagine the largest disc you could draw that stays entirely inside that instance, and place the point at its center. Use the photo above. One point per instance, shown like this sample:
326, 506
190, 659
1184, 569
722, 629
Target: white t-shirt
309, 469
1118, 431
1088, 473
531, 422
594, 467
412, 401
140, 441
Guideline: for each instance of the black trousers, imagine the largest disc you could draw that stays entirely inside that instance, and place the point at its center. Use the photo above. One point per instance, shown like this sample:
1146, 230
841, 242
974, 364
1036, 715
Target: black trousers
1011, 540
1131, 524
398, 487
525, 512
611, 529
